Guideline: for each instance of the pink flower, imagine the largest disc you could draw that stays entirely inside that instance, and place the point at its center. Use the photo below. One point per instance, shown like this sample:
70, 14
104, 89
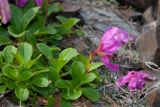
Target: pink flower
39, 2
134, 80
22, 3
112, 40
5, 13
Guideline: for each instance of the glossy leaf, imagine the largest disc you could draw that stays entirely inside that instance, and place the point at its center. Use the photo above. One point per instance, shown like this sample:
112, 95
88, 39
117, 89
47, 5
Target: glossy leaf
10, 84
45, 30
72, 94
22, 93
88, 78
32, 62
4, 39
65, 103
16, 19
78, 71
1, 59
65, 56
12, 31
24, 75
10, 72
26, 50
8, 52
28, 16
45, 50
54, 8
63, 84
41, 82
95, 66
2, 89
91, 94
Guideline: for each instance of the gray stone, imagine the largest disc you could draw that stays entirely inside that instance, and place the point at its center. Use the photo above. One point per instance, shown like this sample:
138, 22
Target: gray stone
147, 44
141, 4
147, 15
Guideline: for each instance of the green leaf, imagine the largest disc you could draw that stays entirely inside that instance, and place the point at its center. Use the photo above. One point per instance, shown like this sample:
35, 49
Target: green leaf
91, 94
32, 28
67, 24
10, 84
51, 101
45, 30
10, 72
19, 58
95, 65
65, 56
26, 50
32, 62
84, 59
24, 75
53, 74
28, 16
63, 84
72, 94
4, 39
1, 59
78, 71
68, 54
45, 50
56, 7
12, 31
16, 19
61, 19
8, 52
41, 82
65, 103
22, 93
2, 89
70, 22
88, 78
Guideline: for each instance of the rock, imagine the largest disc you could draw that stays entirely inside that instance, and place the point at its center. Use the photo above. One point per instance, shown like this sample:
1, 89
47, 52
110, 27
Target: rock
147, 15
6, 103
154, 99
129, 13
147, 44
140, 4
70, 7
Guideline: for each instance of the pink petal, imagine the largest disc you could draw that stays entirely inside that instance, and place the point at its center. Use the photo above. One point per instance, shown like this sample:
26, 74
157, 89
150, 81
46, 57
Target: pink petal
21, 3
5, 12
39, 2
109, 65
111, 48
135, 80
132, 85
122, 81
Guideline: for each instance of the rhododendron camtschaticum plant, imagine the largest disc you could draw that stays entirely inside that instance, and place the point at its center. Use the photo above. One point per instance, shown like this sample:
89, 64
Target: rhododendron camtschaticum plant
22, 3
112, 40
5, 13
135, 80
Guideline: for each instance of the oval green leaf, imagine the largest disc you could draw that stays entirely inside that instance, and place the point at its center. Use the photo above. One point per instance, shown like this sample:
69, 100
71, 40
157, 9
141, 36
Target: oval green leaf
26, 50
22, 93
41, 82
10, 72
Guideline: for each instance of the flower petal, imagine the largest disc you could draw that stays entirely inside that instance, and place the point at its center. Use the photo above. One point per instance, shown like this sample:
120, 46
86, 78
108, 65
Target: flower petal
109, 65
21, 3
39, 2
5, 12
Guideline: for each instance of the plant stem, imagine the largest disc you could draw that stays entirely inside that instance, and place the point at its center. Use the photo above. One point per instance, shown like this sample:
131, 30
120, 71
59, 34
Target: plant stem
64, 74
42, 71
47, 5
20, 103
